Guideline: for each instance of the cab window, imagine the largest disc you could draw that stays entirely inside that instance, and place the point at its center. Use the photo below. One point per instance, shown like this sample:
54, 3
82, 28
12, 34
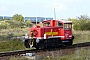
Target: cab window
47, 24
67, 26
60, 25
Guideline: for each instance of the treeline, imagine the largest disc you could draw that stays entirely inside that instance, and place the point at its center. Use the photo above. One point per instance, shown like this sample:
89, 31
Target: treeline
16, 22
7, 24
81, 23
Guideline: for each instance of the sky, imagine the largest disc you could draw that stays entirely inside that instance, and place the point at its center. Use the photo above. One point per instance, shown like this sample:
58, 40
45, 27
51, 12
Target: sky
62, 9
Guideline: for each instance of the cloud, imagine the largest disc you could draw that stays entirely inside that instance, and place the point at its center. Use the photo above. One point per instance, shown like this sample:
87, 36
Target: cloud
4, 8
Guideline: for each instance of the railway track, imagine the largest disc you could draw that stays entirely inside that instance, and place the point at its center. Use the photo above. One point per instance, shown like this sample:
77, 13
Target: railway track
38, 51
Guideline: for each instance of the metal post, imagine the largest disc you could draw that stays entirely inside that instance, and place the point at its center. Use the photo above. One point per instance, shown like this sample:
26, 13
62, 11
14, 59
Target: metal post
45, 12
54, 13
36, 15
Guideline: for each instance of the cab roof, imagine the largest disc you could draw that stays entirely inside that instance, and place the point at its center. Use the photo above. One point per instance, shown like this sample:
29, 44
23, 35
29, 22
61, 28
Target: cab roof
63, 21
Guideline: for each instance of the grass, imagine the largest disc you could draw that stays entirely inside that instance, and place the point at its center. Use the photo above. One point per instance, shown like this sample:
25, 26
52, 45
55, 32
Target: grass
81, 36
81, 54
6, 44
15, 31
7, 34
18, 58
11, 45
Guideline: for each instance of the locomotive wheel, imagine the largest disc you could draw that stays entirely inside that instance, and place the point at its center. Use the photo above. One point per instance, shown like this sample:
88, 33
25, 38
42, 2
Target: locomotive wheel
41, 46
68, 43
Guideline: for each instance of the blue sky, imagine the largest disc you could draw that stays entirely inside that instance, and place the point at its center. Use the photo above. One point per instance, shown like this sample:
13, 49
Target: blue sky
45, 8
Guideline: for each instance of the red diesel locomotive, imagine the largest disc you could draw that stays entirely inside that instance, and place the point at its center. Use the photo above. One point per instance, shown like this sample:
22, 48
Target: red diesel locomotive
52, 33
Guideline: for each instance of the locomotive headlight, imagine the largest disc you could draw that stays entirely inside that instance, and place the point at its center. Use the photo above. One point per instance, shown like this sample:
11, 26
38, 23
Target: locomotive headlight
37, 40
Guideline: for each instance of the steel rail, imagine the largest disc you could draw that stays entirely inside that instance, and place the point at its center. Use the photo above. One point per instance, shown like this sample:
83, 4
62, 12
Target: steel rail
42, 50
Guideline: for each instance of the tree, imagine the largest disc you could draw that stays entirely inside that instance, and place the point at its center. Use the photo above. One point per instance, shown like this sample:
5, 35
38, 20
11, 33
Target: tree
18, 17
28, 23
83, 17
81, 23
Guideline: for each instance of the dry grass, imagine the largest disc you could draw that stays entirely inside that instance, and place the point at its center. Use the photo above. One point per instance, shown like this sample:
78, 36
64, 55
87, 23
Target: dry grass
81, 36
7, 34
14, 31
81, 54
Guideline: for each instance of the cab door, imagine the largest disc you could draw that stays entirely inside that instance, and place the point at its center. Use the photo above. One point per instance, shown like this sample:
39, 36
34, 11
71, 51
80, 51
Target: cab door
61, 30
68, 30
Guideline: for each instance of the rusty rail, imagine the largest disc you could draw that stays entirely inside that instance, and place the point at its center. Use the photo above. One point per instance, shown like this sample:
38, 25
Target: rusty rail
34, 50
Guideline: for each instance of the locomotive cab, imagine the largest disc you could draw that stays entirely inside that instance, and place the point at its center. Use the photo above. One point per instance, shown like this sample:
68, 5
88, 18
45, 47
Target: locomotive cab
53, 33
65, 30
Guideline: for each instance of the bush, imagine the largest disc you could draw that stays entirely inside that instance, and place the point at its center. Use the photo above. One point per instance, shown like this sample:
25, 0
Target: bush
81, 23
15, 24
18, 17
3, 25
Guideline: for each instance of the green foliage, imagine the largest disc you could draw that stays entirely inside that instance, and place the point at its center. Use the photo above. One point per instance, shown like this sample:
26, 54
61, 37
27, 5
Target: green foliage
11, 45
11, 24
15, 24
81, 23
18, 17
28, 23
3, 25
7, 34
83, 17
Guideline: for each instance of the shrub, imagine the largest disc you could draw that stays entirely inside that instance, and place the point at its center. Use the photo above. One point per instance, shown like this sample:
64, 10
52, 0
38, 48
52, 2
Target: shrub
3, 25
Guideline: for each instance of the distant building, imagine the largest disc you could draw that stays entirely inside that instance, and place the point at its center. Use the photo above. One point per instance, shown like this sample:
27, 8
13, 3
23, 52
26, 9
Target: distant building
39, 19
33, 19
